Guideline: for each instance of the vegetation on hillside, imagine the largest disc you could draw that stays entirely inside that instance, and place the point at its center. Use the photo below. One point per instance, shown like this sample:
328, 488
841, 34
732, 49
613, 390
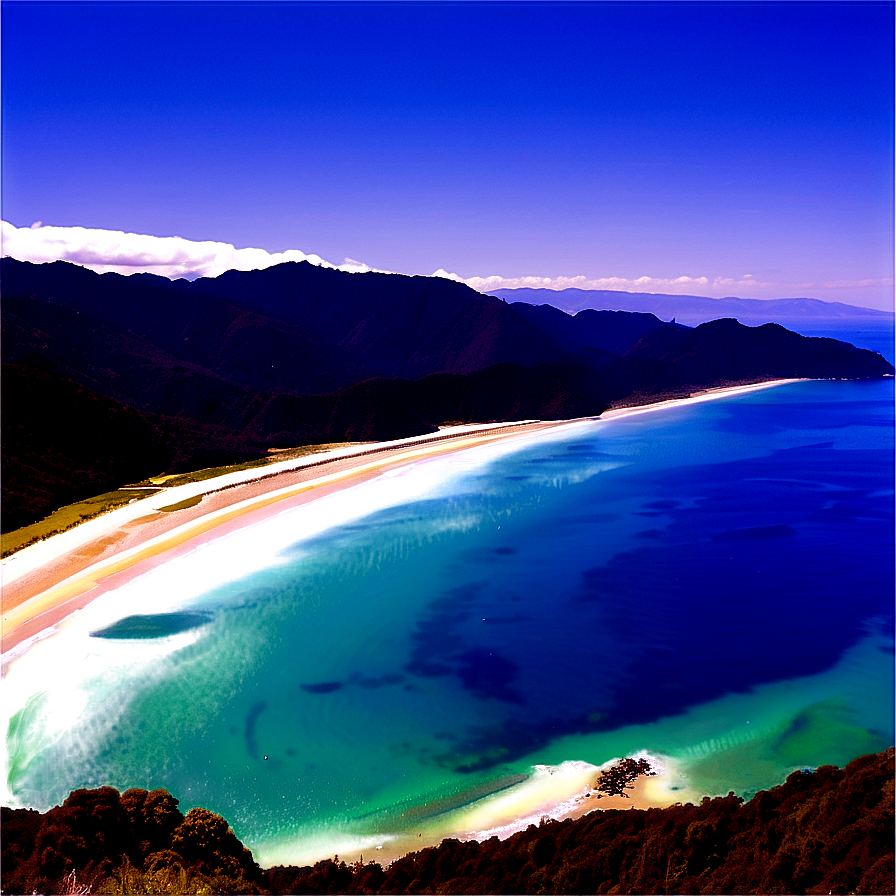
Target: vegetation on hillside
110, 379
822, 831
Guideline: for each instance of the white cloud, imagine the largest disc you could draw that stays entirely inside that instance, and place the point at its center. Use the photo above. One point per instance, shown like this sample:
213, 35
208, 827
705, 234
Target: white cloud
637, 284
745, 286
131, 253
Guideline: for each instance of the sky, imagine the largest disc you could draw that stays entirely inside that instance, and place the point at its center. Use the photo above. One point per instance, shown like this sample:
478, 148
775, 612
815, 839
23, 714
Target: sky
736, 148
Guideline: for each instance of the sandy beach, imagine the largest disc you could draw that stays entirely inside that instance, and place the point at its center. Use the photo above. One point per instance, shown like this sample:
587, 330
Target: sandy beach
46, 583
550, 793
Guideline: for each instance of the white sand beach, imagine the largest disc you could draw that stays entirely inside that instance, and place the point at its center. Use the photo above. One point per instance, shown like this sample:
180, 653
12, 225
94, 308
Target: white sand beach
44, 583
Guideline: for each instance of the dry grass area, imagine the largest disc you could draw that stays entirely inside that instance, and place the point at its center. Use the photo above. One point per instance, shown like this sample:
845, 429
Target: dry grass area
274, 456
73, 514
69, 516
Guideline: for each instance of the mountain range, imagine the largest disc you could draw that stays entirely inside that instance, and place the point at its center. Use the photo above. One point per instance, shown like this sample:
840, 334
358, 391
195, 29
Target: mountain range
695, 310
109, 379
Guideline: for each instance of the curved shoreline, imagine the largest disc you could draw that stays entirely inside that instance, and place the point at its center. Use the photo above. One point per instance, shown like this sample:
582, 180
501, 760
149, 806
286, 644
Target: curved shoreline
44, 583
52, 581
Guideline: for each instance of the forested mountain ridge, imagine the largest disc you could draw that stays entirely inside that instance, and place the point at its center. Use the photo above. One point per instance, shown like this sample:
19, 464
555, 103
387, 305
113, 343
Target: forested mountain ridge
822, 831
294, 326
296, 354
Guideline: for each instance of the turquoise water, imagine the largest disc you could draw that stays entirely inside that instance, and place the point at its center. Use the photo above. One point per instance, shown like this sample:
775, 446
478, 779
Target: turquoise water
459, 643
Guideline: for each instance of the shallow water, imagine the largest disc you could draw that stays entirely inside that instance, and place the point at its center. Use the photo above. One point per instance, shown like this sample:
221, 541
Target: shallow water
711, 584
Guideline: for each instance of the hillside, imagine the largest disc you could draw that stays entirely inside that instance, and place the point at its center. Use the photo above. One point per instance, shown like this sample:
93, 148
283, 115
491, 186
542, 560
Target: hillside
225, 368
63, 442
822, 831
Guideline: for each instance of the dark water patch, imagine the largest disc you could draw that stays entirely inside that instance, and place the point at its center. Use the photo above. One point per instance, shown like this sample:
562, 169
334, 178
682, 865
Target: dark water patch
505, 551
517, 478
249, 730
324, 687
650, 513
154, 625
447, 605
484, 747
799, 725
584, 450
434, 643
436, 635
757, 578
674, 592
435, 626
694, 625
488, 675
425, 669
467, 592
756, 533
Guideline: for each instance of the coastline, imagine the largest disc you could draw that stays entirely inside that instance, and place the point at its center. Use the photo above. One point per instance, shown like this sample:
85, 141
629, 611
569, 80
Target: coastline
517, 814
57, 581
44, 583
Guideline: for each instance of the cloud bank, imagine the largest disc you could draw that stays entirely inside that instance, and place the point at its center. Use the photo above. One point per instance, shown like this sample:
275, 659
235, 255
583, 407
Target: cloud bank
133, 253
745, 286
174, 256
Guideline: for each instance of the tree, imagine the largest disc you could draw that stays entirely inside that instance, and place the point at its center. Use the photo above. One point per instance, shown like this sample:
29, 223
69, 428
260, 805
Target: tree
153, 817
207, 843
620, 777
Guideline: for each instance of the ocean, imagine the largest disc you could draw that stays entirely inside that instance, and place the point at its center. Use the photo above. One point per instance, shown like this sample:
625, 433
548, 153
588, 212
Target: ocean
455, 647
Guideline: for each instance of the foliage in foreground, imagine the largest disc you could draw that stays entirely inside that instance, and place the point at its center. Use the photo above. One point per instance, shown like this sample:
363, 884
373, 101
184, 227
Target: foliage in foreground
101, 841
827, 831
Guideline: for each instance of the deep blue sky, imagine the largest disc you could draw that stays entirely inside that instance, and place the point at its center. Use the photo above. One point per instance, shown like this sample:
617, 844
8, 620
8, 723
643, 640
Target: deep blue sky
605, 140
